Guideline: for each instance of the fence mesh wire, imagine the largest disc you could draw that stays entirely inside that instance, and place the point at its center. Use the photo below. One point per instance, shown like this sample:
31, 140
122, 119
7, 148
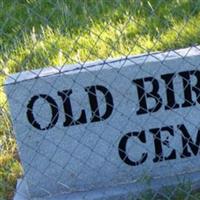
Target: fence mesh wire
36, 34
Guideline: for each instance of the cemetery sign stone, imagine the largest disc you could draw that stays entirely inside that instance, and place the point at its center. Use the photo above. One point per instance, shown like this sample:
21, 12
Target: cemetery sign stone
105, 124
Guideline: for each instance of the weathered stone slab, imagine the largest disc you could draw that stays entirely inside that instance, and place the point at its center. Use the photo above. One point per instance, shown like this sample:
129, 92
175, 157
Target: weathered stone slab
108, 123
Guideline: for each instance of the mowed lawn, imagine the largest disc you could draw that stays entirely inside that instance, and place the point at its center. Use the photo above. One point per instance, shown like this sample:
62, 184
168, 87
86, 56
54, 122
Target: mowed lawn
40, 33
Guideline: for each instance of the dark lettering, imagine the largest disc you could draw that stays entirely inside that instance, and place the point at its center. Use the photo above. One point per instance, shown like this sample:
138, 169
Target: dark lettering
122, 148
94, 103
69, 119
143, 95
188, 88
171, 102
187, 141
158, 143
54, 111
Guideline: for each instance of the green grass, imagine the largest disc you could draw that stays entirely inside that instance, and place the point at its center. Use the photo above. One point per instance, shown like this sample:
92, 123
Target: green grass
39, 33
10, 167
181, 191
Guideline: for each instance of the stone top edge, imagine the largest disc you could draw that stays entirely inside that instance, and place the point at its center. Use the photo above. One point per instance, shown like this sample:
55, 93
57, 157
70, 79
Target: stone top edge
106, 64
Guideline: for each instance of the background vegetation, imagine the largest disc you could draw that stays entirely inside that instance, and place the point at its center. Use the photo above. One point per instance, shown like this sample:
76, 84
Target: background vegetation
40, 33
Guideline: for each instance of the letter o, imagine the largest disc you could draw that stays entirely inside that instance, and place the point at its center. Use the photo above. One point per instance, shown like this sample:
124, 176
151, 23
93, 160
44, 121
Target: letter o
54, 112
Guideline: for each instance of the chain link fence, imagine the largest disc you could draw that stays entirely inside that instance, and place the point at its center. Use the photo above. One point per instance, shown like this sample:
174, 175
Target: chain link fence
36, 34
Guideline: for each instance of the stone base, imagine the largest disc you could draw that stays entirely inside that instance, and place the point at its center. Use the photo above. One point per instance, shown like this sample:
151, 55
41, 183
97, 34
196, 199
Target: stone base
124, 191
22, 192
